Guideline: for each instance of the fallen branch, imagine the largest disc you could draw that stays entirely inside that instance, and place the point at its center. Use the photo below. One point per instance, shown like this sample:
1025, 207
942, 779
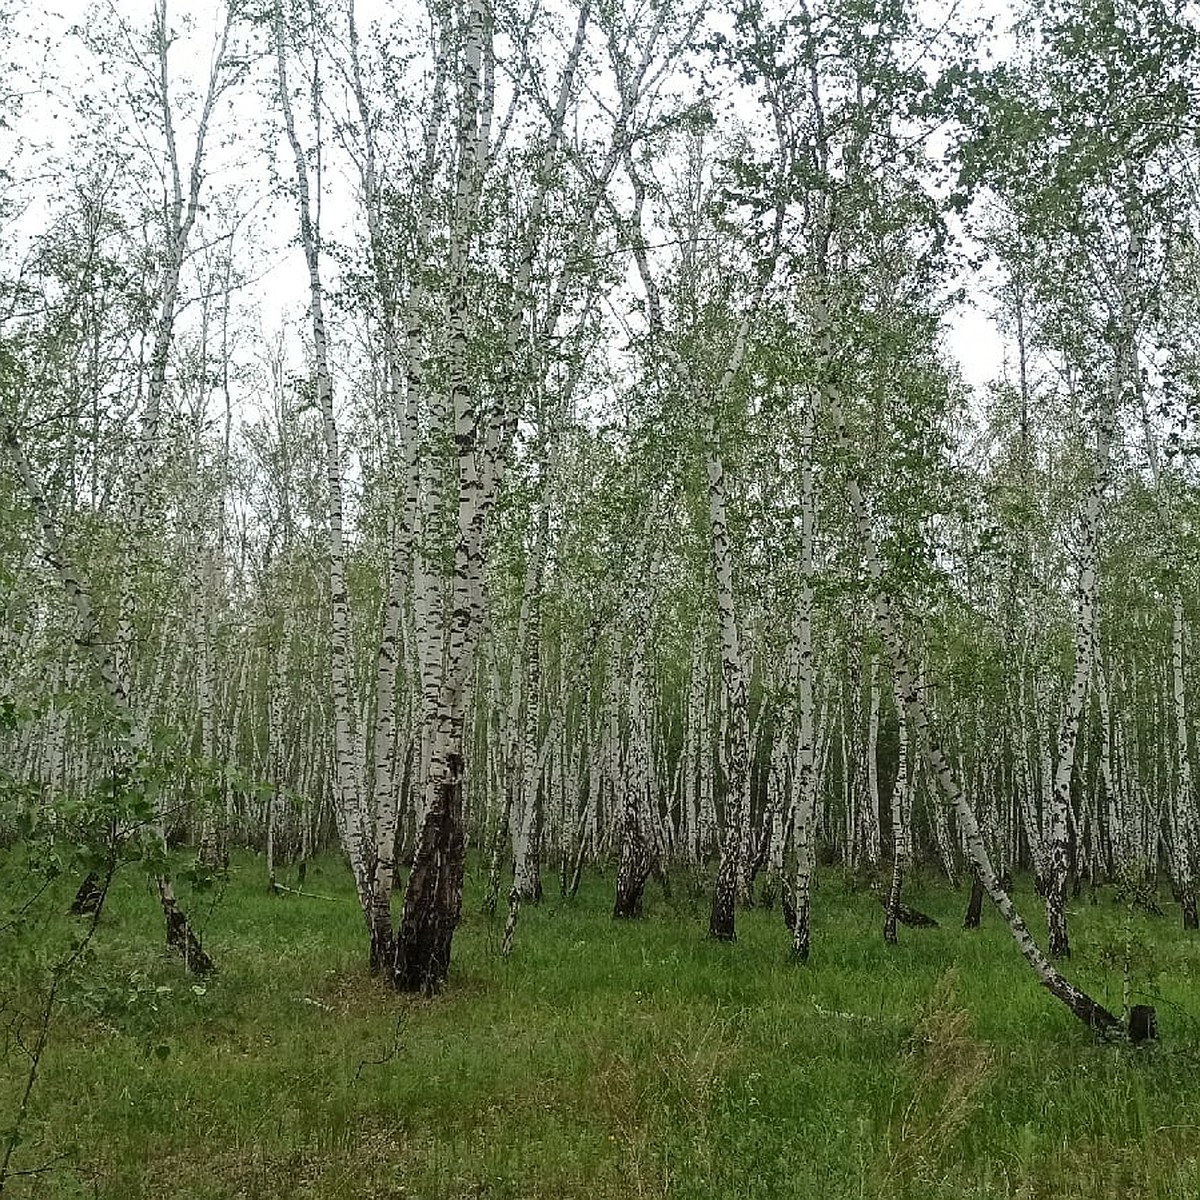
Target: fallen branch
279, 887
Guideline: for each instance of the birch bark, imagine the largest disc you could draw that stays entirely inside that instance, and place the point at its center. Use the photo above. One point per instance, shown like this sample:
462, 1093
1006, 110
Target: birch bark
1086, 611
900, 803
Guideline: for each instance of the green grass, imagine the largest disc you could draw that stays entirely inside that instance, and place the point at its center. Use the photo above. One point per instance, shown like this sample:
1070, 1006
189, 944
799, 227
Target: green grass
602, 1060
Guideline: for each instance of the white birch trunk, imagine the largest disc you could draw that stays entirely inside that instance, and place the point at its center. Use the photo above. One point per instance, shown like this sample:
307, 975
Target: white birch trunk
870, 815
1086, 610
806, 767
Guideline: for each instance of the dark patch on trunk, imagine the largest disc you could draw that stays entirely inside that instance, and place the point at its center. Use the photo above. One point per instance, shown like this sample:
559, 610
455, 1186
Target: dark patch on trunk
758, 862
383, 941
1095, 1016
789, 908
1058, 941
531, 889
802, 933
892, 904
721, 921
634, 867
1189, 910
975, 904
433, 898
576, 871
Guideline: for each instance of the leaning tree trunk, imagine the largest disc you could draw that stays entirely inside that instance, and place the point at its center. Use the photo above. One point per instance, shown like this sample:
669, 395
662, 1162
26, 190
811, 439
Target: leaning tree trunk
1093, 1014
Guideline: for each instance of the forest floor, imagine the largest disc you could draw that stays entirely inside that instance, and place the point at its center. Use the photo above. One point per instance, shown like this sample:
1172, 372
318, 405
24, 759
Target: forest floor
603, 1059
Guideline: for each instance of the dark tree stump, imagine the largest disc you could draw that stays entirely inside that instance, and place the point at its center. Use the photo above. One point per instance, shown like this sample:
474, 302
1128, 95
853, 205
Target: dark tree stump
913, 917
974, 905
89, 898
181, 937
1143, 1024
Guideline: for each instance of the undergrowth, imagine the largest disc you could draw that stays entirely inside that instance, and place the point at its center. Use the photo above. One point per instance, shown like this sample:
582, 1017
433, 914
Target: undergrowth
602, 1059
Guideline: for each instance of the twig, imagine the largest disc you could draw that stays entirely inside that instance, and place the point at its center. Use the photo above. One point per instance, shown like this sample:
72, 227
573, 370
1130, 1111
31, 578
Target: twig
279, 887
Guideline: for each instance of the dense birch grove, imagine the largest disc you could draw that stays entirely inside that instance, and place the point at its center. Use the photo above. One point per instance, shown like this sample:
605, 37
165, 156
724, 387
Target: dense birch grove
529, 434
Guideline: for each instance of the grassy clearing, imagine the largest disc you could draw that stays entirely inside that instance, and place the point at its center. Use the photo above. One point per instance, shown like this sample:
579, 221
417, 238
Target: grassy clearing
603, 1060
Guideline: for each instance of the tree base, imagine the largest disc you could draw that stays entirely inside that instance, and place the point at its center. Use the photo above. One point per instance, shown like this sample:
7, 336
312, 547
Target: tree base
1143, 1024
634, 868
433, 898
90, 897
789, 909
182, 938
975, 904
